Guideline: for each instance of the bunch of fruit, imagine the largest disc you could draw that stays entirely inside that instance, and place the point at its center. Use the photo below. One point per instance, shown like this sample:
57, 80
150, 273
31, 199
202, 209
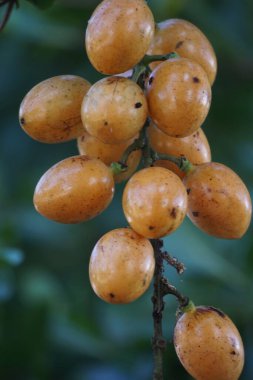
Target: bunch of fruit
151, 105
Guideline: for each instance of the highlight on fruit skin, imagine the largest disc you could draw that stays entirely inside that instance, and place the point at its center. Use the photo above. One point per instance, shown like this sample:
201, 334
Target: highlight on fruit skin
218, 201
74, 190
179, 96
186, 39
50, 111
154, 202
208, 344
194, 147
121, 266
118, 35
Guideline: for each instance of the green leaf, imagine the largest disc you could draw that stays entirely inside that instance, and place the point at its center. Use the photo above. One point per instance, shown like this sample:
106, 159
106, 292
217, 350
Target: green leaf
42, 4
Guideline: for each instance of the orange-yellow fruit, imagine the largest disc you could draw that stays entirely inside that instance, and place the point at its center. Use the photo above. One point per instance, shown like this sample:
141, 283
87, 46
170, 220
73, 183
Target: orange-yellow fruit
121, 266
119, 34
209, 345
194, 147
179, 96
114, 110
108, 153
50, 112
154, 202
218, 201
74, 190
184, 38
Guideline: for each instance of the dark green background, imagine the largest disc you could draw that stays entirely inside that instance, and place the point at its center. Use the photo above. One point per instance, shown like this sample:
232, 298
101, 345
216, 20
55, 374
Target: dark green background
52, 326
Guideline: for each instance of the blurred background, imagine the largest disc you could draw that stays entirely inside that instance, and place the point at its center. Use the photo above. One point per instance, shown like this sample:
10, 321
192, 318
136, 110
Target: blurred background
52, 325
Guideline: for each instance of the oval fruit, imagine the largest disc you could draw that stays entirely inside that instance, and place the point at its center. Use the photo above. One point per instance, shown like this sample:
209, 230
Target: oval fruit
118, 35
50, 112
74, 190
218, 201
121, 266
114, 110
154, 202
209, 345
179, 96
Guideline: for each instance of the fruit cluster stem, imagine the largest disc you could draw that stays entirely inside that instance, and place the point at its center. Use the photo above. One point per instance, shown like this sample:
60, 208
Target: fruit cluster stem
161, 288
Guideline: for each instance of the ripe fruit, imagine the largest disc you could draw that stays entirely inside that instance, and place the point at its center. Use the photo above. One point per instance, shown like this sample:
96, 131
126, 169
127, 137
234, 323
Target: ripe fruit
114, 110
218, 201
209, 345
118, 35
108, 153
179, 96
121, 266
188, 41
50, 112
194, 147
154, 202
74, 190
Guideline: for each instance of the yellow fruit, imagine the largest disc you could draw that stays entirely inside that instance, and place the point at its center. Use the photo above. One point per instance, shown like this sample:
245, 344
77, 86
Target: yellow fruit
121, 266
74, 190
50, 112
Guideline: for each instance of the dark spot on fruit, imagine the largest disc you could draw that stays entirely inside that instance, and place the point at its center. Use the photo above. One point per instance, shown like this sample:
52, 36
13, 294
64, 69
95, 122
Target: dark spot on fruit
151, 228
138, 105
219, 312
209, 190
22, 121
233, 352
82, 138
144, 282
188, 191
196, 79
179, 44
150, 80
105, 122
195, 213
111, 295
173, 213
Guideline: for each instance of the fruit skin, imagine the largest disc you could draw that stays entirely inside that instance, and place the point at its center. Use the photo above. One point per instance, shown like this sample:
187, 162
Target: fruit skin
118, 35
209, 345
184, 38
179, 96
121, 266
74, 190
154, 202
218, 201
194, 147
114, 110
50, 112
108, 153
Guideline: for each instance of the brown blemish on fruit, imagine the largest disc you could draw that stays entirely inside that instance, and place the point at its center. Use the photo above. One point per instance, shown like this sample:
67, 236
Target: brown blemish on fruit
195, 213
179, 44
111, 295
188, 191
151, 80
174, 213
219, 312
151, 228
105, 122
22, 121
138, 105
196, 79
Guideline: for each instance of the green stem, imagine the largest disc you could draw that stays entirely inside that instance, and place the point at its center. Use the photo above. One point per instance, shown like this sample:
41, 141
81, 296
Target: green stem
161, 57
182, 162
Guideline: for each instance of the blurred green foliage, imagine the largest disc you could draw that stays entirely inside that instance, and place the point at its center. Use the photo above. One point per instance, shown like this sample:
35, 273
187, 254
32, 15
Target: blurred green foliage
52, 326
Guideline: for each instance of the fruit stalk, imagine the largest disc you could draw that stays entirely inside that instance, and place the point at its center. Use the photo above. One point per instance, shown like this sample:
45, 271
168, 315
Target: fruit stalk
161, 288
